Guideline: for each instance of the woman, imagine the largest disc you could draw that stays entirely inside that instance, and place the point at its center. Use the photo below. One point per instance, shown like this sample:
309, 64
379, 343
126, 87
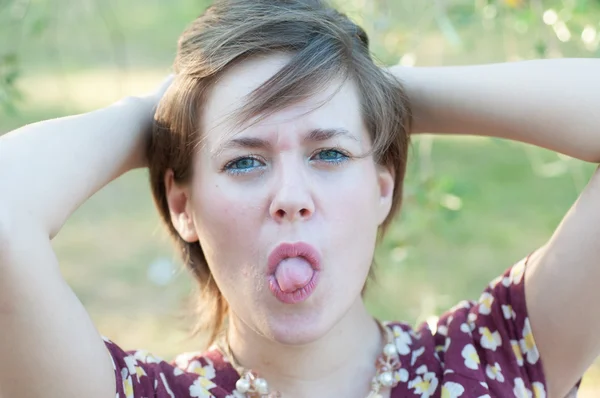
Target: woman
276, 159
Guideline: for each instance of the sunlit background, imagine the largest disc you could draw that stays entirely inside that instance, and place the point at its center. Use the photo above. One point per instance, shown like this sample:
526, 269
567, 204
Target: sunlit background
473, 206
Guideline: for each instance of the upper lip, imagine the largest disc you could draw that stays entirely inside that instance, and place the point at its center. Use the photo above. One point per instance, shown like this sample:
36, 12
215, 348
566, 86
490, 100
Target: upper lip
289, 250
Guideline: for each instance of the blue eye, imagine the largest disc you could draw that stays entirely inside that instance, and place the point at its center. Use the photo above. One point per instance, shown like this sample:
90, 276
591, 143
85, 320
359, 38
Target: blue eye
331, 156
243, 165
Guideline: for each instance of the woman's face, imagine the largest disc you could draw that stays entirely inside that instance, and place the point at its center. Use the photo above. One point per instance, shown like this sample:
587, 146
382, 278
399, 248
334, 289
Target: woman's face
296, 179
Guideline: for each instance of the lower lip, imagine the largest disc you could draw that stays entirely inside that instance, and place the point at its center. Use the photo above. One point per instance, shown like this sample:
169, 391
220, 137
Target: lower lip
297, 296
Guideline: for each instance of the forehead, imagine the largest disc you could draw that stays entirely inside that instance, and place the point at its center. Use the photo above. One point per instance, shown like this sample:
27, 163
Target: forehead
336, 105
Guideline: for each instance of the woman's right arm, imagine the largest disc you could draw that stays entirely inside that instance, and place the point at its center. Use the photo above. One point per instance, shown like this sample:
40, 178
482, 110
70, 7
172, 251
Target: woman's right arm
49, 345
48, 169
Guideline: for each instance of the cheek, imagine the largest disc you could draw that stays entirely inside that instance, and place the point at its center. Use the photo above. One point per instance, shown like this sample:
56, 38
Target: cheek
352, 212
227, 225
217, 209
224, 220
354, 200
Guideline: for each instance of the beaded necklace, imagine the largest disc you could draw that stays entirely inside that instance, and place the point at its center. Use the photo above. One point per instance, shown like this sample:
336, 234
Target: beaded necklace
251, 385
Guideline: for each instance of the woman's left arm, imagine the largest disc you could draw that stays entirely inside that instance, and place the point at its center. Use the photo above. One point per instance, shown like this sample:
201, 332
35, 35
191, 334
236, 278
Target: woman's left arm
553, 104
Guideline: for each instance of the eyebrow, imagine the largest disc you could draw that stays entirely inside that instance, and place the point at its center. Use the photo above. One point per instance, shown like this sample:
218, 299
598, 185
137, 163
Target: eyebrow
316, 135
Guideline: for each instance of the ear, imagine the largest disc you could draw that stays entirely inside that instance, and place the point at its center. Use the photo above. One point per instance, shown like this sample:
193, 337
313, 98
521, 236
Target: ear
386, 183
180, 208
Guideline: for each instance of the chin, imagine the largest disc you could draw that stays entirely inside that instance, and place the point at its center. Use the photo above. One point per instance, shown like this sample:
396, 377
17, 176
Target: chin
297, 335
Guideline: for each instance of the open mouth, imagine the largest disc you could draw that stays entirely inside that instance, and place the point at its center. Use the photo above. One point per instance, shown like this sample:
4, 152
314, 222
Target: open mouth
293, 270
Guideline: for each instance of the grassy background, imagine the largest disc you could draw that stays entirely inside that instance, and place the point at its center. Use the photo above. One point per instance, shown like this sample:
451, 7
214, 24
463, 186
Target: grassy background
473, 207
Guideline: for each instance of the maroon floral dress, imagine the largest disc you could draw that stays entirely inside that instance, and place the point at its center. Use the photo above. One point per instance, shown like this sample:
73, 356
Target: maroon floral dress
477, 349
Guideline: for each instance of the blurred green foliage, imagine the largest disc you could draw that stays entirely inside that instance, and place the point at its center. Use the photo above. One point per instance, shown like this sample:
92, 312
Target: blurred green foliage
56, 31
62, 35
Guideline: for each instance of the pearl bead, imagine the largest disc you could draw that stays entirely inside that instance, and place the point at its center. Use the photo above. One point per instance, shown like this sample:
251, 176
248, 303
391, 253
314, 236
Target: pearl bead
261, 386
390, 350
242, 385
386, 379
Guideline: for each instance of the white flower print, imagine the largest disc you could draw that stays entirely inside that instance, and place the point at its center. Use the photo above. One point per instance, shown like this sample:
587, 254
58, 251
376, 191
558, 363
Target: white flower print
183, 360
506, 281
146, 357
516, 273
201, 387
452, 390
106, 339
471, 319
490, 340
538, 390
402, 340
447, 343
416, 354
471, 357
528, 346
442, 330
133, 367
207, 371
401, 375
517, 351
485, 303
165, 385
465, 328
495, 282
127, 383
425, 384
520, 390
508, 312
131, 363
177, 372
494, 372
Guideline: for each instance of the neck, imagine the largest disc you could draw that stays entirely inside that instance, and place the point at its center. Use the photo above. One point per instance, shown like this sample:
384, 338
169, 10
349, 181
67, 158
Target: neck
340, 363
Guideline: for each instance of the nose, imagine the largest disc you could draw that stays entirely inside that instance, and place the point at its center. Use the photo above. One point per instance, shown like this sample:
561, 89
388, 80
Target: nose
292, 200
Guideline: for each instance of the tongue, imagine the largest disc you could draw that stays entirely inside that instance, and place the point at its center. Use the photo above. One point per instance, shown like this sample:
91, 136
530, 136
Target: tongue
293, 274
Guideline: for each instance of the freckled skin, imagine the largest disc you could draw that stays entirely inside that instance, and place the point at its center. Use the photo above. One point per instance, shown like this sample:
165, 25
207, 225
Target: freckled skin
289, 194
